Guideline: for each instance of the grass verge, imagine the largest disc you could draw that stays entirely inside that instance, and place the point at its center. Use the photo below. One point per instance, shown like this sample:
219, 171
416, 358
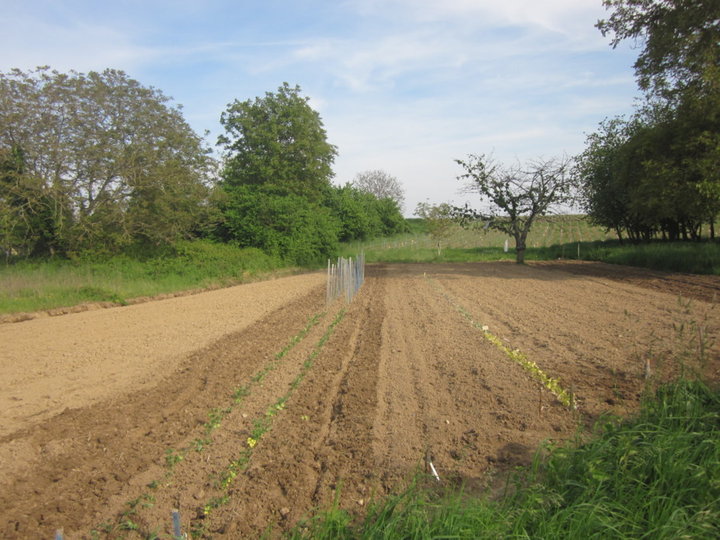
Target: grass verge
654, 476
688, 257
35, 286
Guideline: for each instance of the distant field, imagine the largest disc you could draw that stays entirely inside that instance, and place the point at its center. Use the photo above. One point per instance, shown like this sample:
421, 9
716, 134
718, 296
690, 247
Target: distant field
246, 409
419, 246
551, 238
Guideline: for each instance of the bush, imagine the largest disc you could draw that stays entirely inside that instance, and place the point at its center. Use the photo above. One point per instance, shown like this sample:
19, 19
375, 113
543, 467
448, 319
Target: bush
282, 224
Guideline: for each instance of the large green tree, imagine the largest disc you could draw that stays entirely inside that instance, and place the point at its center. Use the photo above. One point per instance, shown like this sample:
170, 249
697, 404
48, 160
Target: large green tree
651, 175
657, 173
600, 169
363, 215
26, 224
95, 161
680, 42
276, 183
277, 140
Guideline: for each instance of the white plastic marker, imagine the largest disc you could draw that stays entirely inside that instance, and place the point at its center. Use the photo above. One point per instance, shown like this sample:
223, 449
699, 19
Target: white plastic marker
435, 474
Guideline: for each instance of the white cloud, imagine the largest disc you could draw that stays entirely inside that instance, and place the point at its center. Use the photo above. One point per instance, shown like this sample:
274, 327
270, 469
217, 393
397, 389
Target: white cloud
402, 85
572, 18
33, 36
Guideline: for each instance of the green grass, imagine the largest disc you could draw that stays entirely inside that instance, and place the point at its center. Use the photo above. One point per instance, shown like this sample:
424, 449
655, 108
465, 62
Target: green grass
655, 476
557, 237
32, 286
690, 257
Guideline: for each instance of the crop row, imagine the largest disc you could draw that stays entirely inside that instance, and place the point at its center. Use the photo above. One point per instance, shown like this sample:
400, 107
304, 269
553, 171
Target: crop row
563, 395
125, 521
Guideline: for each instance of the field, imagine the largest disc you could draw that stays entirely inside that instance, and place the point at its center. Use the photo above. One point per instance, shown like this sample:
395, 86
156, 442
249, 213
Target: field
246, 408
548, 231
568, 237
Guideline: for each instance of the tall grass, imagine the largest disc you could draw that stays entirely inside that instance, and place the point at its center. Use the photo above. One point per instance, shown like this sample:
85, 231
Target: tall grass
31, 286
691, 257
655, 476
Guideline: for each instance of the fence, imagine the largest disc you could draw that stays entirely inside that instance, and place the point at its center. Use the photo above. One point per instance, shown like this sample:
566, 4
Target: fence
346, 277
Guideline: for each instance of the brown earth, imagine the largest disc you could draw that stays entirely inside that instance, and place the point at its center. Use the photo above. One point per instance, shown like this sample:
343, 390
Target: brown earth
104, 424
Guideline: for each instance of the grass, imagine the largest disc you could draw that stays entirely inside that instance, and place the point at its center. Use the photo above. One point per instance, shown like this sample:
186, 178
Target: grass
557, 237
694, 258
654, 476
33, 286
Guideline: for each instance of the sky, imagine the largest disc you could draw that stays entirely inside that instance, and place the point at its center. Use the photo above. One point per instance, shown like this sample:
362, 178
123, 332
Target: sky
405, 86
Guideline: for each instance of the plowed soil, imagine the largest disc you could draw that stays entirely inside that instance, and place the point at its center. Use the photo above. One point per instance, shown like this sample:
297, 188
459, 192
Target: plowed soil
246, 408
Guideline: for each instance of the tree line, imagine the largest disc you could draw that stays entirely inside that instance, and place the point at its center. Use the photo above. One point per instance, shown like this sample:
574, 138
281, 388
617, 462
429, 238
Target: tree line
99, 163
657, 173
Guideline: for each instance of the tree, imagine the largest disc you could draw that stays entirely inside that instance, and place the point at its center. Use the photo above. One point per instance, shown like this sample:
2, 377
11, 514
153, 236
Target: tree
599, 171
100, 162
362, 215
439, 220
282, 224
380, 184
517, 194
391, 218
680, 38
658, 173
277, 140
652, 174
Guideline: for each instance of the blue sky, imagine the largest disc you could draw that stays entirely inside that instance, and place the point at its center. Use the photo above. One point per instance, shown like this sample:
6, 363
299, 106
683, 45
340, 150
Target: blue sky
406, 86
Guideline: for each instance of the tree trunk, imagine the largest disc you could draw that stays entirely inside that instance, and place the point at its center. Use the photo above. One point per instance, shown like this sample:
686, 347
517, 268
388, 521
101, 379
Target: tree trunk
520, 248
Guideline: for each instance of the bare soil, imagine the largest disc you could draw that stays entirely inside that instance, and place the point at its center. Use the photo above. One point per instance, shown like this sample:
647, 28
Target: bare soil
97, 408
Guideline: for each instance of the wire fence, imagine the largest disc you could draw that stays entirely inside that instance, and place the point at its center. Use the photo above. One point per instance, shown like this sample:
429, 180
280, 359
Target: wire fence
345, 277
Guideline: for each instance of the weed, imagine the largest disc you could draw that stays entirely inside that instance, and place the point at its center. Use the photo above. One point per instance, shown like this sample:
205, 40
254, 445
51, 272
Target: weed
128, 525
198, 529
215, 418
102, 529
200, 444
240, 393
172, 458
216, 502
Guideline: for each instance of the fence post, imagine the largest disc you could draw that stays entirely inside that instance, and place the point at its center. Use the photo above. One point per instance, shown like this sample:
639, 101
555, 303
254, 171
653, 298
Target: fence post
177, 531
345, 278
